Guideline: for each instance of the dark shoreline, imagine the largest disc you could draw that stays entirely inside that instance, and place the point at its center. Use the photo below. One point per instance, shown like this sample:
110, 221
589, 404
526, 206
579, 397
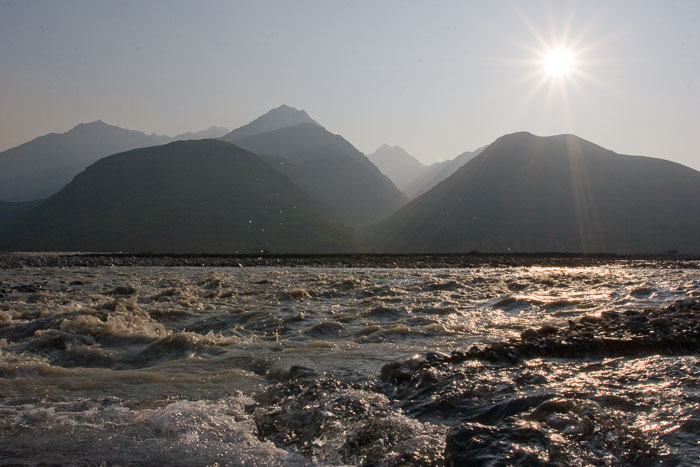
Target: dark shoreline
10, 260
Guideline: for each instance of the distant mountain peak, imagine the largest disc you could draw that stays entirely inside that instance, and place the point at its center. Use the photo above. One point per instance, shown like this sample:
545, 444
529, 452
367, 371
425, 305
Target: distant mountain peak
93, 124
285, 107
394, 152
388, 147
280, 117
287, 112
397, 164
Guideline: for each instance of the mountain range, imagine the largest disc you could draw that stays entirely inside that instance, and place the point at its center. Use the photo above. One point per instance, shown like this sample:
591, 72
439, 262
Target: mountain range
285, 184
410, 175
280, 117
204, 196
438, 172
402, 168
353, 190
552, 194
39, 168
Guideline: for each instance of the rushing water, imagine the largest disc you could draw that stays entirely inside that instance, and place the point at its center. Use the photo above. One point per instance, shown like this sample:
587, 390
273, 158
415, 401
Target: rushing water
265, 366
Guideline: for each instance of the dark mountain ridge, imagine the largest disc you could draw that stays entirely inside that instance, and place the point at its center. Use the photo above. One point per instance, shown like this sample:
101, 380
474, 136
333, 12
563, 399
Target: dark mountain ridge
353, 189
280, 117
552, 194
437, 172
185, 196
41, 167
298, 183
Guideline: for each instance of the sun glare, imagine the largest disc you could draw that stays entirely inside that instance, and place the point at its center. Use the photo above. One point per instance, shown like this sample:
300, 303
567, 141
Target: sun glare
556, 65
559, 62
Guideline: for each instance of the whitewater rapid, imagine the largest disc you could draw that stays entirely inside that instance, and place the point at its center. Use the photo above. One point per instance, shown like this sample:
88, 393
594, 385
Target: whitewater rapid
280, 366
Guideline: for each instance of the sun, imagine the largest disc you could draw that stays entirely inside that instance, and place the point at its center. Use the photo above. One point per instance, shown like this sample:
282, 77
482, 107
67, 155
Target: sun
559, 62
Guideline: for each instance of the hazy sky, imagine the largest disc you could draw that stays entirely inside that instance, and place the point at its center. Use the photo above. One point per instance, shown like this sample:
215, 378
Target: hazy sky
435, 77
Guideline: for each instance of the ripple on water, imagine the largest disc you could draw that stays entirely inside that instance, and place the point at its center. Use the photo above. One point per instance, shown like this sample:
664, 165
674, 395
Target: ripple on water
278, 366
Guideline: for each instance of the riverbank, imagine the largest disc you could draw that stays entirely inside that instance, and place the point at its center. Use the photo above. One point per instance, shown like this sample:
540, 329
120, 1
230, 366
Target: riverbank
469, 260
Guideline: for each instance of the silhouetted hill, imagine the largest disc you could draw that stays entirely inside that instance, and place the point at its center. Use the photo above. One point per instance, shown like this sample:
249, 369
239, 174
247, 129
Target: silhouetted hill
561, 193
354, 191
41, 167
401, 167
277, 118
10, 211
438, 172
186, 196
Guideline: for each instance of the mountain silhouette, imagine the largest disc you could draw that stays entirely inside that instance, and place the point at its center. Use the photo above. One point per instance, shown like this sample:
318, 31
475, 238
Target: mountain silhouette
401, 167
277, 118
552, 194
39, 168
185, 196
210, 133
352, 189
437, 172
10, 211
